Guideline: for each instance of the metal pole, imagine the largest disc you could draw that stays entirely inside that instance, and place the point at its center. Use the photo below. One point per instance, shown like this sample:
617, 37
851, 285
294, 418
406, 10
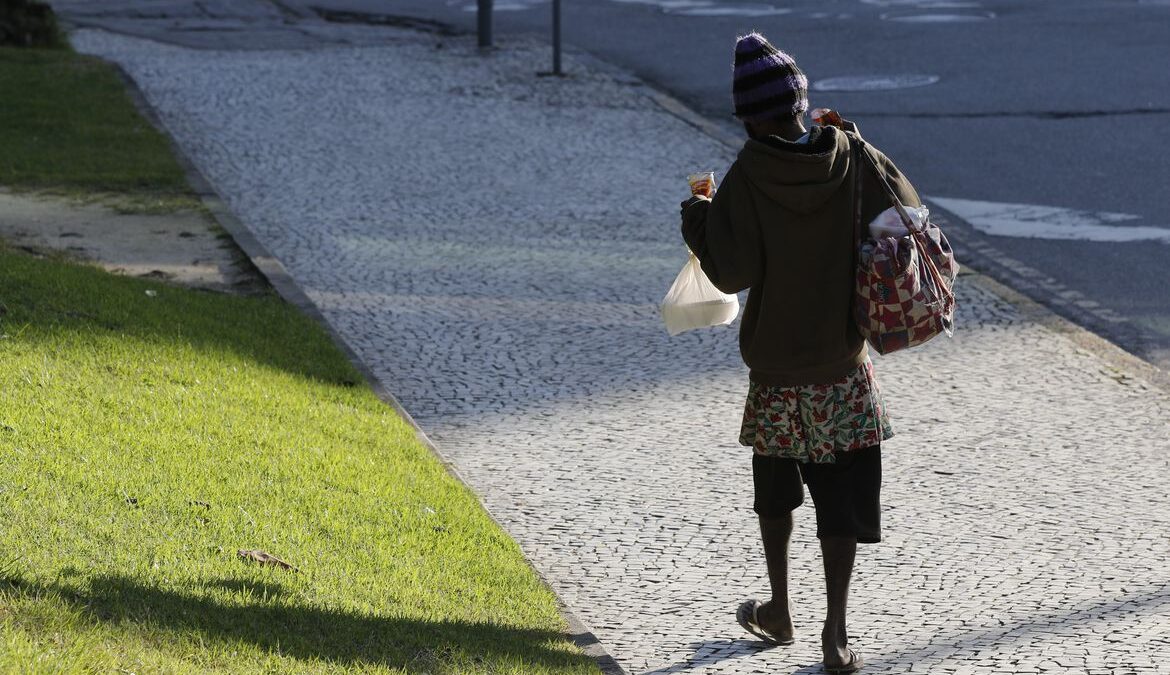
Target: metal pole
556, 40
484, 16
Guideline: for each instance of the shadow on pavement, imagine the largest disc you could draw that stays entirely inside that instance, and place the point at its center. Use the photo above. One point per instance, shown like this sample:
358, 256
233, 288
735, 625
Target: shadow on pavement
1076, 622
709, 652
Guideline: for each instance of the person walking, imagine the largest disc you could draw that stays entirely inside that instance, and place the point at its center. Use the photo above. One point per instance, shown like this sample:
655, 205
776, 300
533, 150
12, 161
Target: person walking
782, 226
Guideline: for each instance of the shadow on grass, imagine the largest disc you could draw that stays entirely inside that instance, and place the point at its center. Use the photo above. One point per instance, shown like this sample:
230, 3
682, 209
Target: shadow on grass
306, 633
49, 299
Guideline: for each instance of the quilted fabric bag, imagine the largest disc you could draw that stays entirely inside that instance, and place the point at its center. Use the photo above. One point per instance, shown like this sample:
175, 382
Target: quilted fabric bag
904, 284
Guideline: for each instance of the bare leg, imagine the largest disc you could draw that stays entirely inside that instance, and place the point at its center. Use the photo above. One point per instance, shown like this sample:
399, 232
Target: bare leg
838, 553
774, 615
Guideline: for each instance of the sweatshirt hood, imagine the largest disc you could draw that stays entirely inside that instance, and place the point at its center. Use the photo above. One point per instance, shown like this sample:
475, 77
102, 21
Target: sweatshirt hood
801, 177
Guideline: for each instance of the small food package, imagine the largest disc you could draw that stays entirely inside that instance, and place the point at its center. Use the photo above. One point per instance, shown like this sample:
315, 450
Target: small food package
694, 302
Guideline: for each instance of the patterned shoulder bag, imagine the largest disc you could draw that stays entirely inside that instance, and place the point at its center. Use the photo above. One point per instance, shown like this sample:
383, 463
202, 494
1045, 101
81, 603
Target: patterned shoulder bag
904, 285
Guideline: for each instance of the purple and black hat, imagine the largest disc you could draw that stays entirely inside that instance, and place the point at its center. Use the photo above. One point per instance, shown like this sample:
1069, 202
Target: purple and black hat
766, 84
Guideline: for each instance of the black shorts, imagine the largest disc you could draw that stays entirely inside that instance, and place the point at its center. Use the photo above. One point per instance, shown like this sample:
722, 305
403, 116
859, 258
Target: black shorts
846, 494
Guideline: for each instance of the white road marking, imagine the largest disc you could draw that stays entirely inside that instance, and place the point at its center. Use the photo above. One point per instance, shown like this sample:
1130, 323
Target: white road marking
1050, 222
925, 4
709, 8
939, 18
874, 82
729, 10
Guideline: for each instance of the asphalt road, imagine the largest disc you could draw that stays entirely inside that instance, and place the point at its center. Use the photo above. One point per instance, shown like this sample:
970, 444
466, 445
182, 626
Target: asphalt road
1054, 103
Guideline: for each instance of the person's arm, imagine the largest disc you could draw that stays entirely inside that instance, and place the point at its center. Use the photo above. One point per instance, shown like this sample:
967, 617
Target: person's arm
724, 235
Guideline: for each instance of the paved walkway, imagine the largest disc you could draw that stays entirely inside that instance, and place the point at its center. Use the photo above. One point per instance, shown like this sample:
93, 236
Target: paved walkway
494, 246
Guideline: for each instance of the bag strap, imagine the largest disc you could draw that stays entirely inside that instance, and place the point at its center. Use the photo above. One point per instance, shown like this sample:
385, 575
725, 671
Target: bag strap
858, 146
856, 201
861, 148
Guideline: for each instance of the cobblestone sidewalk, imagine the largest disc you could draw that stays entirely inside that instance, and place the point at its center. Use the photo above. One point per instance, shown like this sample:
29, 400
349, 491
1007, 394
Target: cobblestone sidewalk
494, 246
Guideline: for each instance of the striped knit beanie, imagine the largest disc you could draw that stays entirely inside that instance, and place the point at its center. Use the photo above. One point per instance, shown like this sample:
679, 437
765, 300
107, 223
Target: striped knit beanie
767, 84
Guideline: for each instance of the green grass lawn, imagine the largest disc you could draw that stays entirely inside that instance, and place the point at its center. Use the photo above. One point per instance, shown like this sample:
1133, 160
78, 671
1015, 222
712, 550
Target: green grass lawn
67, 127
147, 433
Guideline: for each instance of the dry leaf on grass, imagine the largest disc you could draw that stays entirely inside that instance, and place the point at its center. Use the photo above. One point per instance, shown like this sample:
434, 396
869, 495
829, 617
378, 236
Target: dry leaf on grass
266, 559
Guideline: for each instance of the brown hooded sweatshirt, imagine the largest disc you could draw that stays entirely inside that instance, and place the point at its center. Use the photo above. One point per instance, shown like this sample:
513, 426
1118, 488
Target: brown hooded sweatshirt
781, 225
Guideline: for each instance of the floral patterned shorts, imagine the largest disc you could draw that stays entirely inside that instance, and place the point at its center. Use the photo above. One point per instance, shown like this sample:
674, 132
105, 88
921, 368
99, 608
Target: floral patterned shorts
812, 423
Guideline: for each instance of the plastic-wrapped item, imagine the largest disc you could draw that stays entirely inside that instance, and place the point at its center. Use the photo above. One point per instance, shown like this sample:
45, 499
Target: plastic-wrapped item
694, 302
889, 224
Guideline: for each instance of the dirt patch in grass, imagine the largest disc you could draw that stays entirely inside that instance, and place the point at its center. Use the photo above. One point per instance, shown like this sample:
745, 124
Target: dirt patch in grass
184, 247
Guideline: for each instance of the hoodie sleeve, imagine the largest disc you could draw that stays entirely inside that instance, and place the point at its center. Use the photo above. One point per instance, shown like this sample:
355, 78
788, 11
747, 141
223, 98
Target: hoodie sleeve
724, 235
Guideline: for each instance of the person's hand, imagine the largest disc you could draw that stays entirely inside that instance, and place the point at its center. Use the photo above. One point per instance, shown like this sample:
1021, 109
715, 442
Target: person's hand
691, 202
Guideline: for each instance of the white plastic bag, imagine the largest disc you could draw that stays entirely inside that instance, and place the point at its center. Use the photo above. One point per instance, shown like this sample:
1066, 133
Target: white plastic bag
694, 302
889, 224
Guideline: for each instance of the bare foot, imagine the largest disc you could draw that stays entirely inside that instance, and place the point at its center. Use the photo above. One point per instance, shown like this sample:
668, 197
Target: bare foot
834, 643
776, 619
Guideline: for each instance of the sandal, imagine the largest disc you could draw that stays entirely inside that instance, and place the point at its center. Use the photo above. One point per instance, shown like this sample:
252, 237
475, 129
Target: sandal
748, 616
855, 664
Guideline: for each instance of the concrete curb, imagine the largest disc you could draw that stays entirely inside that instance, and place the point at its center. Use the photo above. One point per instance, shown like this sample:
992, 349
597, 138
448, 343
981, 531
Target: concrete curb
1126, 366
283, 283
